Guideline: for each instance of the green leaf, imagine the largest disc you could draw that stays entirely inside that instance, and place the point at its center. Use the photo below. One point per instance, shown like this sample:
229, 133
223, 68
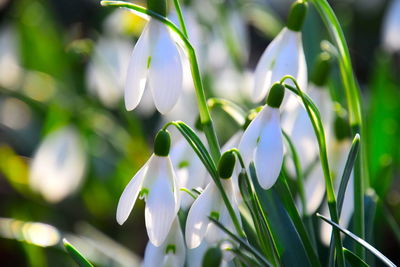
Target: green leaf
243, 243
353, 259
76, 255
360, 241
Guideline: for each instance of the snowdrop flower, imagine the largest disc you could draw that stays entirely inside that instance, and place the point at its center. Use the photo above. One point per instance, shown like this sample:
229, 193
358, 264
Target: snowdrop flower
298, 124
156, 183
155, 64
211, 204
190, 171
262, 140
391, 27
283, 56
172, 251
58, 166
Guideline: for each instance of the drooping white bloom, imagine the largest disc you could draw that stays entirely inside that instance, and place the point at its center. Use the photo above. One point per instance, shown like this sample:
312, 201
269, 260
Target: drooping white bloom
190, 171
391, 27
155, 64
58, 165
210, 203
283, 56
156, 182
106, 71
262, 143
171, 253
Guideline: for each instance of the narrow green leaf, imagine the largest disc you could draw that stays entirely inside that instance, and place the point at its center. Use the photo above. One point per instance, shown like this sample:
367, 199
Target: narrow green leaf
353, 259
360, 241
76, 255
242, 242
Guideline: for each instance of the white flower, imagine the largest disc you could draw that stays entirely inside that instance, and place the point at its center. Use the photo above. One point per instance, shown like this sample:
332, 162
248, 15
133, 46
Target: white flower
106, 70
190, 171
391, 27
156, 182
210, 203
283, 56
262, 143
171, 253
58, 165
155, 64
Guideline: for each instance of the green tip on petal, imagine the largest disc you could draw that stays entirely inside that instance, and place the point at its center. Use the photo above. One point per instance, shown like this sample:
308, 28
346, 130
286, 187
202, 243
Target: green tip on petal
162, 143
226, 165
297, 14
275, 96
322, 68
342, 128
212, 257
158, 6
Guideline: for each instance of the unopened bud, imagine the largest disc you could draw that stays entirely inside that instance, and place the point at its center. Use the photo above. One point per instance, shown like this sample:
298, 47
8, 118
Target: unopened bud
212, 257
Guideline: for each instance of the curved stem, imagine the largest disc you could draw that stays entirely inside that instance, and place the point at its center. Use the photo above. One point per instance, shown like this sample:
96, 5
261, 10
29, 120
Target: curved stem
319, 132
205, 116
180, 17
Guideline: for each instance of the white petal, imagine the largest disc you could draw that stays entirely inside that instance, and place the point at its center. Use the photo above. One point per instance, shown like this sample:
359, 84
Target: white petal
137, 70
160, 210
269, 152
391, 26
262, 75
130, 194
165, 74
153, 255
251, 134
197, 220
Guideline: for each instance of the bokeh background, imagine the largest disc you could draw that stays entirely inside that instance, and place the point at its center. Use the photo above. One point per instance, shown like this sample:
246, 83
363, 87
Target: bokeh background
68, 147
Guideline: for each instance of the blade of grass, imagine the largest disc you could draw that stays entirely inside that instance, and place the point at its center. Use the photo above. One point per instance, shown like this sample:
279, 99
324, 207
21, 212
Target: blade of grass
360, 241
353, 259
76, 255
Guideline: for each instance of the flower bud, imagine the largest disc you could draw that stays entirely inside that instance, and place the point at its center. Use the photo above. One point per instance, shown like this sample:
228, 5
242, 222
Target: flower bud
341, 128
158, 6
276, 94
322, 68
162, 143
226, 165
212, 257
297, 14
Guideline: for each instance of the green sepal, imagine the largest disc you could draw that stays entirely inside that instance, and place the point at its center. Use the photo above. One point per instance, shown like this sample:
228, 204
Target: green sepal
275, 96
158, 6
212, 257
322, 68
297, 14
226, 165
162, 143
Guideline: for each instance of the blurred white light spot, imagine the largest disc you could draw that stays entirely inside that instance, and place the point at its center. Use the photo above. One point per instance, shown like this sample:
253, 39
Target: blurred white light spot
14, 114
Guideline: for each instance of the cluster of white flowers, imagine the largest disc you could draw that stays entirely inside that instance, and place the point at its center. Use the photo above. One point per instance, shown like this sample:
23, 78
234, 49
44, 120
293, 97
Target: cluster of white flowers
157, 63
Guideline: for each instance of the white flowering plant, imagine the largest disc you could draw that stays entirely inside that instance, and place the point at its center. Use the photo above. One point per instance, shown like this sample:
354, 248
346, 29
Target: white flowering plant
290, 134
259, 158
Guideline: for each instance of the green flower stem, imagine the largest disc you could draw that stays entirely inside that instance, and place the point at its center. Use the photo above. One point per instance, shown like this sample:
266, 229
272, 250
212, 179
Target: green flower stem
230, 108
315, 118
205, 116
354, 105
180, 17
